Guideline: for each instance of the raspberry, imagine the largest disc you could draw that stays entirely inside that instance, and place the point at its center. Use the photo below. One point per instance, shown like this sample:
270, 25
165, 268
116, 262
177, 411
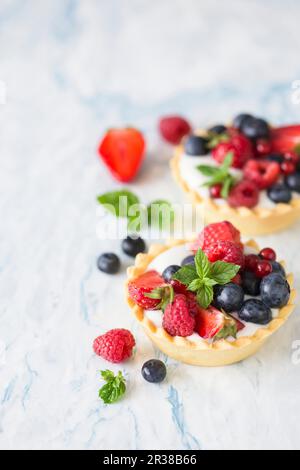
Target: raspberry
225, 251
244, 194
177, 320
144, 284
262, 173
174, 128
239, 145
115, 346
214, 232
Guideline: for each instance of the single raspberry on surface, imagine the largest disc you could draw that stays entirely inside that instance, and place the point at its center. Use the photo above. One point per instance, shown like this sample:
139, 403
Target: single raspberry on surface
174, 128
225, 251
215, 232
262, 173
115, 346
177, 319
244, 194
141, 286
238, 145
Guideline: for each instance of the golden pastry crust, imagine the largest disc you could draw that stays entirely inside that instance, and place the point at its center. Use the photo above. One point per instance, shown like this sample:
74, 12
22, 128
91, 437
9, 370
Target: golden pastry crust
203, 353
257, 221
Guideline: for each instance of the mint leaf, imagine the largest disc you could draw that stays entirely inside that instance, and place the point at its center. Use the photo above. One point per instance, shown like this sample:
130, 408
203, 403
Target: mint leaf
227, 162
223, 272
195, 285
208, 170
205, 296
186, 275
118, 202
160, 214
202, 264
115, 387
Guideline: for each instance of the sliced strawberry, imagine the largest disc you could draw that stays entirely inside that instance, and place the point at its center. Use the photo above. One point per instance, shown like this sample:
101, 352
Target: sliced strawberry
238, 145
215, 232
211, 323
122, 151
284, 139
263, 173
149, 290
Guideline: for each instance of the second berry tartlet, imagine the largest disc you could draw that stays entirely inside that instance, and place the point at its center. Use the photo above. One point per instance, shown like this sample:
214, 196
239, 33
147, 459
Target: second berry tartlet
210, 302
248, 173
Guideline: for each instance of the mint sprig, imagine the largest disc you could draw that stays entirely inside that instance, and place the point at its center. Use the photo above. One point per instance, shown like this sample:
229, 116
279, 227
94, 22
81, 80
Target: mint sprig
114, 388
204, 275
118, 202
219, 175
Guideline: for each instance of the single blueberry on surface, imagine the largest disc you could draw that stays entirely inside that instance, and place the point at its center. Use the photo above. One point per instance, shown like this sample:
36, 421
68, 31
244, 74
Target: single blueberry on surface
278, 268
154, 371
169, 272
188, 260
133, 246
275, 291
255, 311
240, 119
251, 283
196, 145
280, 193
109, 263
293, 182
218, 129
229, 297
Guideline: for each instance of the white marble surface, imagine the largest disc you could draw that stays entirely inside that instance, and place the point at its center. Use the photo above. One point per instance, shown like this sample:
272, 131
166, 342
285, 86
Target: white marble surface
72, 69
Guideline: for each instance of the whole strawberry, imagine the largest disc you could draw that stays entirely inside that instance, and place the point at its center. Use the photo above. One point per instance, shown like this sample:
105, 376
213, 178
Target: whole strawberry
215, 232
115, 346
238, 145
225, 251
174, 128
177, 319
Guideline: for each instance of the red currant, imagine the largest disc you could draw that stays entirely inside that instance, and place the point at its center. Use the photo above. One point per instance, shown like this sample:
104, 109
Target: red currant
288, 168
268, 254
215, 191
263, 147
263, 268
292, 157
251, 262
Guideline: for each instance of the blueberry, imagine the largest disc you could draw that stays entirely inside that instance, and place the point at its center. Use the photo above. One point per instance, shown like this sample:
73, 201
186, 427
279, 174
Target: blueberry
279, 193
109, 263
251, 283
277, 268
255, 311
293, 182
255, 128
169, 271
275, 291
229, 298
275, 157
218, 129
188, 260
196, 145
154, 371
132, 246
240, 119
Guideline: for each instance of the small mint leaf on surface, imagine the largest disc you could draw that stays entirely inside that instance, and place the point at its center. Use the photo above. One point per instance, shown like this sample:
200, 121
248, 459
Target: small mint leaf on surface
186, 274
118, 202
160, 214
223, 272
115, 387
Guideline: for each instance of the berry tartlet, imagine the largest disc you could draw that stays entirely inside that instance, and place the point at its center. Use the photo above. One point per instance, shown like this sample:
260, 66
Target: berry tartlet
248, 173
212, 301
